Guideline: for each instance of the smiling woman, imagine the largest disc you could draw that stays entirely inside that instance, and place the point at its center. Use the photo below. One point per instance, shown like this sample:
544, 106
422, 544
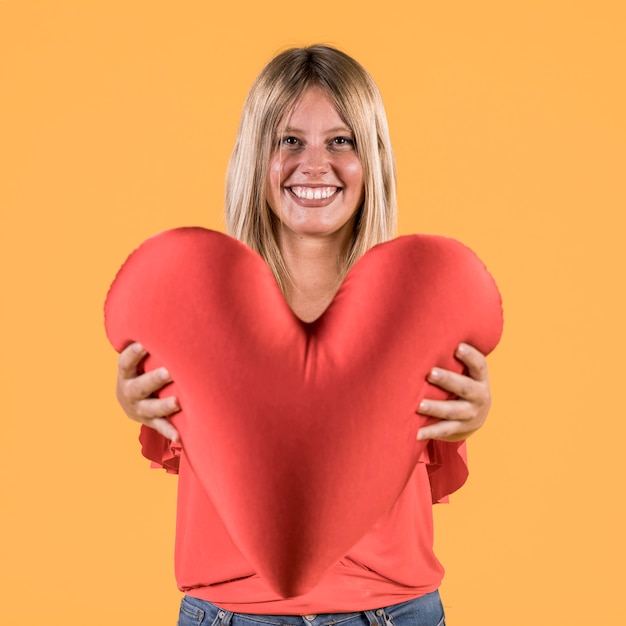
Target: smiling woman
311, 188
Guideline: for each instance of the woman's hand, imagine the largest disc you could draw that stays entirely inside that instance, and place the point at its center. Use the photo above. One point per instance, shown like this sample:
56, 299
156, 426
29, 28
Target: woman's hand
135, 391
464, 415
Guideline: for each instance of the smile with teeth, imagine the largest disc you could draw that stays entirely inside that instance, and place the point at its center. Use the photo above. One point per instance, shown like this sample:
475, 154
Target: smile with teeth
314, 193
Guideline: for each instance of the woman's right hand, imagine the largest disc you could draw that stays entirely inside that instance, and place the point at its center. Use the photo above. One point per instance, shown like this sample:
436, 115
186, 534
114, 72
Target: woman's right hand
135, 391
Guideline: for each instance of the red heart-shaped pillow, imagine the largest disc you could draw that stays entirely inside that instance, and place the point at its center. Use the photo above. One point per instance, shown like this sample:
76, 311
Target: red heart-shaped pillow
302, 434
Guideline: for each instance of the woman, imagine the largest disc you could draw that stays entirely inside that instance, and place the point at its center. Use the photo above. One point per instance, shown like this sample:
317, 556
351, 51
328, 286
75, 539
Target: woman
311, 187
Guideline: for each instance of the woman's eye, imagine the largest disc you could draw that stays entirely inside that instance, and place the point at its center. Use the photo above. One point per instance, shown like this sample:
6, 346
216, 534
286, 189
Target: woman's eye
343, 141
289, 141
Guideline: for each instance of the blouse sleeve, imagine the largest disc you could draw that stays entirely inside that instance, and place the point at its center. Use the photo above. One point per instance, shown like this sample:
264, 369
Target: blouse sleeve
447, 468
162, 452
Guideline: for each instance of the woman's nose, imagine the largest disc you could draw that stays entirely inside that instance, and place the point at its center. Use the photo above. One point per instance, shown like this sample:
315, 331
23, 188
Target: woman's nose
315, 161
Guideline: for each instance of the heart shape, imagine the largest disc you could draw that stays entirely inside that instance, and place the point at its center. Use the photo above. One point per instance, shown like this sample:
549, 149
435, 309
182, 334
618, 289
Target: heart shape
304, 433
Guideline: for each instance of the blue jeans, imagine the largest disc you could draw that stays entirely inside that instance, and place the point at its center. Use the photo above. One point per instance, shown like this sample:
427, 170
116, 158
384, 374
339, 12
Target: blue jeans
424, 611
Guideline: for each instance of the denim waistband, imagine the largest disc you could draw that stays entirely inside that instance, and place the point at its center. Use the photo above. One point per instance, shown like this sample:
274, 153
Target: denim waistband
426, 610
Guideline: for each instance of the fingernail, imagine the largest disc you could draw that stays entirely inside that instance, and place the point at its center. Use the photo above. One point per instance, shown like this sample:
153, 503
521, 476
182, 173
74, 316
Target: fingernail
172, 403
137, 348
420, 435
435, 373
424, 406
163, 373
462, 349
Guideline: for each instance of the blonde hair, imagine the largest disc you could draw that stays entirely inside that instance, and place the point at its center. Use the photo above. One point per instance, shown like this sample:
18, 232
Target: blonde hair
272, 97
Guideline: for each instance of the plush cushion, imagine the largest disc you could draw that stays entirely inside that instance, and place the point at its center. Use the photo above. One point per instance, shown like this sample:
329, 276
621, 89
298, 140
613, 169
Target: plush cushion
303, 434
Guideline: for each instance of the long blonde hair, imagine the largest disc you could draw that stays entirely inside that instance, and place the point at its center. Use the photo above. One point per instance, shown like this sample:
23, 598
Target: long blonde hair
272, 97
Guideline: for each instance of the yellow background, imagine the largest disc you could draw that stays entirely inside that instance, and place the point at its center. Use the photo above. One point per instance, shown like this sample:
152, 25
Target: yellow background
117, 120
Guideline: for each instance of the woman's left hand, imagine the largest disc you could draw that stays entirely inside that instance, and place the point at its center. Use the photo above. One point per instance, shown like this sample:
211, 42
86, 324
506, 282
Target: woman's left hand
465, 414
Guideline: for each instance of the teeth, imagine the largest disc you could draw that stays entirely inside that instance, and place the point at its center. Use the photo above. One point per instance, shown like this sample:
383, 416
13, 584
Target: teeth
314, 193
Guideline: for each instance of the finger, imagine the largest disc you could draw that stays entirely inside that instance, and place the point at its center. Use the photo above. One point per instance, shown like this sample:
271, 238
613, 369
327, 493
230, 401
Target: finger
129, 360
444, 431
460, 410
145, 385
156, 408
474, 360
165, 428
457, 384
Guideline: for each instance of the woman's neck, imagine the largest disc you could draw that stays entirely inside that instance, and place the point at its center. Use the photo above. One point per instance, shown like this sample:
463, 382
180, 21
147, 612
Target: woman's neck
314, 265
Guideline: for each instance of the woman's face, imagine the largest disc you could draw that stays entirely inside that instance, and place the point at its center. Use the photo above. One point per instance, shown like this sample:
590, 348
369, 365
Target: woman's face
315, 182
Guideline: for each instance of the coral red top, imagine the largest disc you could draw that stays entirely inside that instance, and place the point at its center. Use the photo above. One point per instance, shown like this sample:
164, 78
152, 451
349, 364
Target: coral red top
393, 563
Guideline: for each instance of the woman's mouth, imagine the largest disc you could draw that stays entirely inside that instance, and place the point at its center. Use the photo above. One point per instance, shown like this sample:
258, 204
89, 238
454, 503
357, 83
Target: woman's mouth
313, 193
